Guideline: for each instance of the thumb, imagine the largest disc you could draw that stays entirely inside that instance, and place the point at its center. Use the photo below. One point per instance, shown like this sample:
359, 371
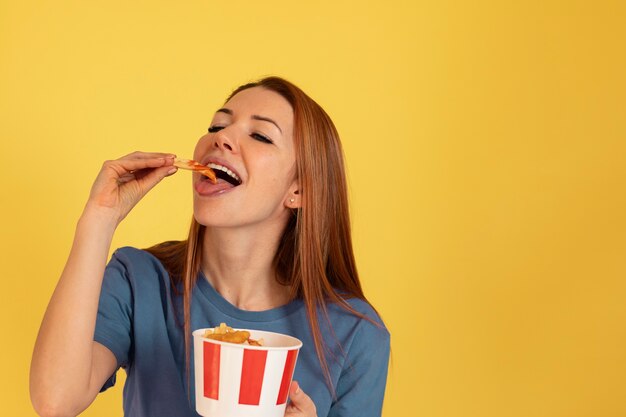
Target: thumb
300, 400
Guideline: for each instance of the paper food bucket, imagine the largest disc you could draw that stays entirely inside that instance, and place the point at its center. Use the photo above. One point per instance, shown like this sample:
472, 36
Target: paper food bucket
238, 380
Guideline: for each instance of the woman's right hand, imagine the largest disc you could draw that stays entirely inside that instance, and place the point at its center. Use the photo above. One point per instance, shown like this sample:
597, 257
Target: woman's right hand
121, 183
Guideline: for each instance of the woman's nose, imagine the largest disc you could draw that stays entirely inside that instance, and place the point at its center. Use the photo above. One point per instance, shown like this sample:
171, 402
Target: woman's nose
223, 141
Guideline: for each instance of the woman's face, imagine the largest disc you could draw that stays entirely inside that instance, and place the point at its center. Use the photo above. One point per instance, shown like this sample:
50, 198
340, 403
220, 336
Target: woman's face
250, 147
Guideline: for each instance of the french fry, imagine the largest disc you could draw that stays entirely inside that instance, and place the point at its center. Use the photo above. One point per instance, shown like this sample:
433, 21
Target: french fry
197, 167
225, 333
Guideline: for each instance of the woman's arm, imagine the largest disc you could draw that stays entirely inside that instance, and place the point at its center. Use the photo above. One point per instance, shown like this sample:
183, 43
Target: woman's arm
361, 387
68, 368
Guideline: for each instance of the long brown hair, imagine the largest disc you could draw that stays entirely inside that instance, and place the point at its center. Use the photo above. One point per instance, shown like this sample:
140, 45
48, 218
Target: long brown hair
315, 256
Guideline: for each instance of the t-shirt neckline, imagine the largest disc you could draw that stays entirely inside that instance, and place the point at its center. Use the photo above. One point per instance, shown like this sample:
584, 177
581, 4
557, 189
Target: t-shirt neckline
256, 316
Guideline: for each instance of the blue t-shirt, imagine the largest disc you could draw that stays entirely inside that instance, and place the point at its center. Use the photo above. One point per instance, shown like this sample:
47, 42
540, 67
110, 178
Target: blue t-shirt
140, 321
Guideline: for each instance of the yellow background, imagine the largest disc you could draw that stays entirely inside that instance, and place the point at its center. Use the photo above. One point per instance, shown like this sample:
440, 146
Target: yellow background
486, 155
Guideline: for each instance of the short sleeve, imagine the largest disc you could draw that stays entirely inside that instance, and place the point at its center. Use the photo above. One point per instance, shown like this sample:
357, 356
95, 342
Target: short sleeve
361, 386
115, 312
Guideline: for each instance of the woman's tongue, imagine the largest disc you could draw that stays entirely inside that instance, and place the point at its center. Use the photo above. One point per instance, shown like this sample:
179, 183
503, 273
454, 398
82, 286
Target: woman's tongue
206, 187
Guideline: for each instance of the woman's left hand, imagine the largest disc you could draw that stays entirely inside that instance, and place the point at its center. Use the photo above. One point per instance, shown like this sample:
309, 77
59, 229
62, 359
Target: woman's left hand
301, 405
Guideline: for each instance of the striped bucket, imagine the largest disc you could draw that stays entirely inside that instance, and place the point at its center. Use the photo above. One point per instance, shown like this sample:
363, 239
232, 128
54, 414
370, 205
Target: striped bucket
237, 380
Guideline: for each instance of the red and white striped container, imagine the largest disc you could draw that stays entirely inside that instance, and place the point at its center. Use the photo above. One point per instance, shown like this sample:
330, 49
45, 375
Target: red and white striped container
237, 380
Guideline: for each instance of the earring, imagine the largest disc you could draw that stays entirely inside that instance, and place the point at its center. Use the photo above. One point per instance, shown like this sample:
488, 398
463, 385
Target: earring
291, 200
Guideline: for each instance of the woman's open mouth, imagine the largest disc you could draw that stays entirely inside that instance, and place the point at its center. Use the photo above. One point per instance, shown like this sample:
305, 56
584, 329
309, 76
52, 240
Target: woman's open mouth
226, 180
224, 173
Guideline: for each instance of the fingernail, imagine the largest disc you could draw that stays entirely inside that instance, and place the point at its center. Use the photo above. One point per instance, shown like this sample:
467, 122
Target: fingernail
171, 171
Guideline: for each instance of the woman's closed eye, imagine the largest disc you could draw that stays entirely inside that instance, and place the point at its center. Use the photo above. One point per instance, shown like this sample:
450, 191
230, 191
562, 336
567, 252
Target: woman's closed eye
255, 135
261, 138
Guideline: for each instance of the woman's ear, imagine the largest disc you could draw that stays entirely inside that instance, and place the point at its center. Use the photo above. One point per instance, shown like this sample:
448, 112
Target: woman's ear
294, 199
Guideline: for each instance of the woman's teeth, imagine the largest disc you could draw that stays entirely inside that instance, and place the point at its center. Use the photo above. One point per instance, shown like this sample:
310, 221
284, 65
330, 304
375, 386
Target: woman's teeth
221, 168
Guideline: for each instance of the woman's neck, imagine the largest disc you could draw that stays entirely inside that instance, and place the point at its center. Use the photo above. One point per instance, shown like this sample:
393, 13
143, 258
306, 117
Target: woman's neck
239, 264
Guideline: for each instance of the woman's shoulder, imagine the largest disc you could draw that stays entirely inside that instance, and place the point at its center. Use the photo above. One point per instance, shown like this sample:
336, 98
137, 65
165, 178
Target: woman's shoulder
130, 255
134, 263
367, 318
360, 305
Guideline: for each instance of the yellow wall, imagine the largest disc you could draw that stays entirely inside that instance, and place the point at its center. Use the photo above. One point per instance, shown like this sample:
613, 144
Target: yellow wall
486, 151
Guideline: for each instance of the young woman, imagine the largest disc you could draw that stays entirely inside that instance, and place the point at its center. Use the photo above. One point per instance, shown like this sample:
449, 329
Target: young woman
269, 248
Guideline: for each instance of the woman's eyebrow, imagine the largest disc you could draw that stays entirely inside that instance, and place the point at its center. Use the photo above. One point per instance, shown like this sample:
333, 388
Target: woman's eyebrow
254, 116
267, 119
225, 110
